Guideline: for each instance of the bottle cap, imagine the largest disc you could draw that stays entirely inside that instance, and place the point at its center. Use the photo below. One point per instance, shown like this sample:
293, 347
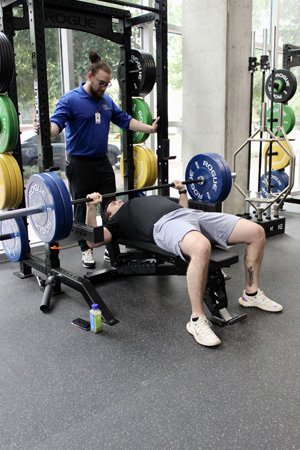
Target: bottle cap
95, 306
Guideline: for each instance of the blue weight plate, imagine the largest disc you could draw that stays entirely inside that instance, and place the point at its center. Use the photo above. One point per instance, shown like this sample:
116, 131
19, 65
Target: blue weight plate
279, 181
15, 248
228, 177
67, 203
59, 207
38, 194
215, 178
222, 174
285, 177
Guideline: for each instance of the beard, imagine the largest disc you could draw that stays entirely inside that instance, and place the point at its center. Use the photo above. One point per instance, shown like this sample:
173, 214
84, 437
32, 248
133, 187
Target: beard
95, 94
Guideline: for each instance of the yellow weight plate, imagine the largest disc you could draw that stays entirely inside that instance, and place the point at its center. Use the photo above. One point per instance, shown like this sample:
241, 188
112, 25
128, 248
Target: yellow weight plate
152, 169
13, 180
19, 181
5, 185
280, 159
142, 167
153, 165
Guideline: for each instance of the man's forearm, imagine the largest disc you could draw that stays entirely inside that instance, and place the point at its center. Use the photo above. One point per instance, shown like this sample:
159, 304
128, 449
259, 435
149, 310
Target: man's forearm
135, 125
54, 130
183, 199
91, 218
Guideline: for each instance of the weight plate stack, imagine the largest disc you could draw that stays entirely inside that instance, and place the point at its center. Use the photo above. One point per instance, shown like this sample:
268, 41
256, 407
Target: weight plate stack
228, 177
141, 112
5, 185
142, 73
279, 181
153, 164
8, 124
59, 206
142, 167
15, 180
66, 201
214, 187
6, 63
46, 223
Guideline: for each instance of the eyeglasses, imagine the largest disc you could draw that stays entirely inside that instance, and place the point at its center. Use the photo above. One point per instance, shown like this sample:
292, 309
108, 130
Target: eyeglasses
102, 83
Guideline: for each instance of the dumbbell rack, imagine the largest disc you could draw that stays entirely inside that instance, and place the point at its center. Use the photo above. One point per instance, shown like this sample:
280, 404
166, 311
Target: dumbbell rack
98, 20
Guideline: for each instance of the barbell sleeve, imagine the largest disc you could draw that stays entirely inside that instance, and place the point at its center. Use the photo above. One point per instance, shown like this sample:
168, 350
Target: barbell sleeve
22, 212
199, 180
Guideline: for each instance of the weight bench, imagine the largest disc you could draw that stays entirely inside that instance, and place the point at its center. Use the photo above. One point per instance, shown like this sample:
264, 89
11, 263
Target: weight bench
145, 258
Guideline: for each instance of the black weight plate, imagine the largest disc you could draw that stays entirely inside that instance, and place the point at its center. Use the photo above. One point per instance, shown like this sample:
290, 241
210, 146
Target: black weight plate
16, 247
6, 63
142, 74
284, 87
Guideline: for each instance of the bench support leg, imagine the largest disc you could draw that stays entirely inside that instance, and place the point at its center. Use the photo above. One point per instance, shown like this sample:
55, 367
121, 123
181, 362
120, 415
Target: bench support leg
216, 300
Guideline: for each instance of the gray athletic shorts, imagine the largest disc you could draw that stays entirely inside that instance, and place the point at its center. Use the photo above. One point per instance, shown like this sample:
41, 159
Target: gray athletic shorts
169, 231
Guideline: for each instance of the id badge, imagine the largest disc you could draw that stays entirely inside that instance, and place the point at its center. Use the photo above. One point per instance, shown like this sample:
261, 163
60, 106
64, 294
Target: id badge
97, 118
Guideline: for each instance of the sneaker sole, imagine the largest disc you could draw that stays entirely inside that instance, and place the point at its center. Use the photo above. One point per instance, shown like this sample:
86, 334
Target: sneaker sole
248, 305
205, 344
89, 266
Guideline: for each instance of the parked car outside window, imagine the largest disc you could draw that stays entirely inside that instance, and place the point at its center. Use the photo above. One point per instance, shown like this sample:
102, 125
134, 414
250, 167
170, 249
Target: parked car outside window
29, 145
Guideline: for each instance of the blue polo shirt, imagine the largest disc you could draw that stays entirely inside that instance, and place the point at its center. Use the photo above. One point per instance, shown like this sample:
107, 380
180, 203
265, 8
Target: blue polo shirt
76, 111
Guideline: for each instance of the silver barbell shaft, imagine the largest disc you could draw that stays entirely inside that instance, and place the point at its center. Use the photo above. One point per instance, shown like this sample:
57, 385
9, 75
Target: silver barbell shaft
22, 212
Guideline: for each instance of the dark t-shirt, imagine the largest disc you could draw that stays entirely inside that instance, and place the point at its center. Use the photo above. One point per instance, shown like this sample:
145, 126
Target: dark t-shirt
136, 218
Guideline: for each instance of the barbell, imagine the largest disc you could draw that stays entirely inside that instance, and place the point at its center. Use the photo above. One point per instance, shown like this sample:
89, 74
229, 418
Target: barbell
49, 205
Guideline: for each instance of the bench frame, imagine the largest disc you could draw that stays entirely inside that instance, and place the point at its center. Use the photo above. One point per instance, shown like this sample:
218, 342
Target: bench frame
146, 258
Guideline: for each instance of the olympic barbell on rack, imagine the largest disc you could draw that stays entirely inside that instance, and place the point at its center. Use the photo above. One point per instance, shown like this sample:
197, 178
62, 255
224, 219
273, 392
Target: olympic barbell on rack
49, 206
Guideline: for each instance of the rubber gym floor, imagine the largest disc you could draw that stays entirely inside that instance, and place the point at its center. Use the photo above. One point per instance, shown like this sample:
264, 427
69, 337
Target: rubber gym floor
145, 384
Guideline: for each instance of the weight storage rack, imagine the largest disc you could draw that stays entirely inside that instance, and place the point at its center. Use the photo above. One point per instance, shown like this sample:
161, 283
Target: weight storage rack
114, 24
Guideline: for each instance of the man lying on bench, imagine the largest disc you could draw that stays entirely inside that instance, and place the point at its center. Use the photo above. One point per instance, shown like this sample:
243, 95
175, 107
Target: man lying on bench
188, 233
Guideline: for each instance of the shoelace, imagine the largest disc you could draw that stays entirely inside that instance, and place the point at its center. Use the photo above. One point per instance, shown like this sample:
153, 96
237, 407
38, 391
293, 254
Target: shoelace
262, 297
201, 328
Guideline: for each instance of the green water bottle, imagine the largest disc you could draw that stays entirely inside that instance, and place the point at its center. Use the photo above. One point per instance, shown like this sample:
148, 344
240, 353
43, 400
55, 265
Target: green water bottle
95, 318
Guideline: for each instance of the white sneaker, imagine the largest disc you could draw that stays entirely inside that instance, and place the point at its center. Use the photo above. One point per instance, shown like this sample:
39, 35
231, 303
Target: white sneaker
261, 301
106, 256
88, 259
202, 332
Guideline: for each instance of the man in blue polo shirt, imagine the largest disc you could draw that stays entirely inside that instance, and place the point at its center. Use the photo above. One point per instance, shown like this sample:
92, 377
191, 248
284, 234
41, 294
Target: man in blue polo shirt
86, 113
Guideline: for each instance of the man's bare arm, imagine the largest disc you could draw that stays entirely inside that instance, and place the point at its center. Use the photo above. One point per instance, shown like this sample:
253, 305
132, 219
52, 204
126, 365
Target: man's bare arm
91, 219
181, 188
54, 130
